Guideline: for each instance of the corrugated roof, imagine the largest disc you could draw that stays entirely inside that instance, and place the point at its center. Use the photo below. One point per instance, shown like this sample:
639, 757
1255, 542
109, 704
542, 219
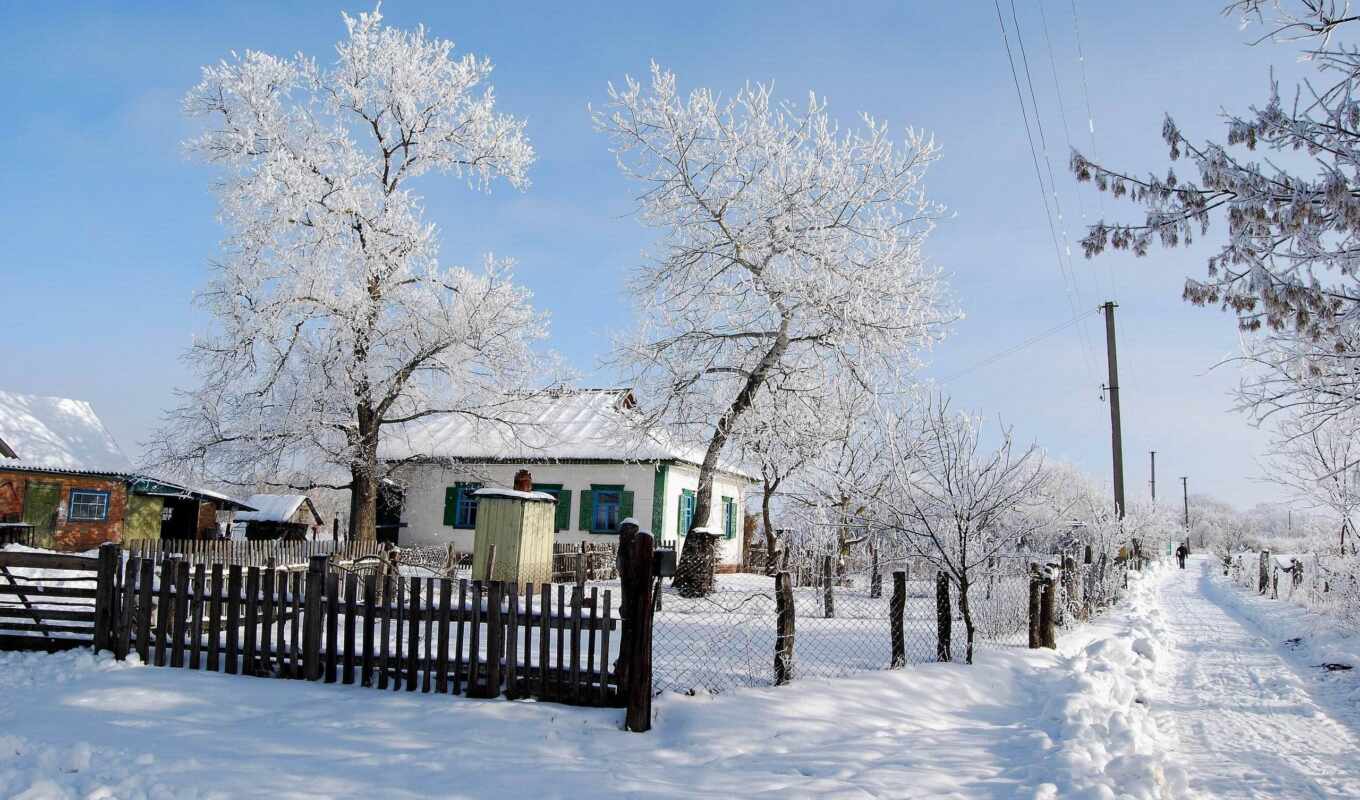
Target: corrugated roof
592, 424
140, 482
58, 432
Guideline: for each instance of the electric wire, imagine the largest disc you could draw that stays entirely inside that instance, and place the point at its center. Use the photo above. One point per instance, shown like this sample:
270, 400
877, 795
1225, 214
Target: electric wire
1035, 339
1038, 171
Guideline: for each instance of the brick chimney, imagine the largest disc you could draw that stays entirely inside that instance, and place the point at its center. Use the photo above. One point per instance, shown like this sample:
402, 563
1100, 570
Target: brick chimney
524, 482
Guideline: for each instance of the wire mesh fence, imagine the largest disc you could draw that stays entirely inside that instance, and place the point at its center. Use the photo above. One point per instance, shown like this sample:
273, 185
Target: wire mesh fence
842, 603
1328, 583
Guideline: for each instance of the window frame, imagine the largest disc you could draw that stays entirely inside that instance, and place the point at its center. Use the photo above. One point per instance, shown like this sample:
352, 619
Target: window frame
688, 498
465, 496
596, 490
104, 495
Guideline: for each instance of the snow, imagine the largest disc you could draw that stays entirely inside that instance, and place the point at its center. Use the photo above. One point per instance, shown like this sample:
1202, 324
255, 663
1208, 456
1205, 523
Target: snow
1018, 724
584, 423
271, 507
1254, 713
58, 432
515, 494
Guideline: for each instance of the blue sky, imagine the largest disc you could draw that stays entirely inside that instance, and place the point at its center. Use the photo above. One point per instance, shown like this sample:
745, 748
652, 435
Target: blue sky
109, 229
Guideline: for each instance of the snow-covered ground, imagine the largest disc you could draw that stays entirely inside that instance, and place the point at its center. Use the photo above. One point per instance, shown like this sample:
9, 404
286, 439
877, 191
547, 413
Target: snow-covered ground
1254, 713
1017, 724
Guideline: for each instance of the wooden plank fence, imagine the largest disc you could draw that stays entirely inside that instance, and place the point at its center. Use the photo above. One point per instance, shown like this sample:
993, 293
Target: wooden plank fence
415, 634
54, 601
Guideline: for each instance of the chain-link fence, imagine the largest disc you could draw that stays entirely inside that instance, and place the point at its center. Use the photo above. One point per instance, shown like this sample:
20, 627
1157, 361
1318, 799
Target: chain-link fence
1328, 583
842, 598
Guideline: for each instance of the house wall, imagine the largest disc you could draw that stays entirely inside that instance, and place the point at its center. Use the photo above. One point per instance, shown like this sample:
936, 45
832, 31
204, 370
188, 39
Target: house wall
68, 534
425, 485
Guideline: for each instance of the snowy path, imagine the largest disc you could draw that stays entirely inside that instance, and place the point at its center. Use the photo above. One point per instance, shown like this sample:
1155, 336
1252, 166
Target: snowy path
1248, 723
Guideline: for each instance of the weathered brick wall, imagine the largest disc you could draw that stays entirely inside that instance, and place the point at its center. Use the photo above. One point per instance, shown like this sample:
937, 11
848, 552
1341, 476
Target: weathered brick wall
74, 535
11, 498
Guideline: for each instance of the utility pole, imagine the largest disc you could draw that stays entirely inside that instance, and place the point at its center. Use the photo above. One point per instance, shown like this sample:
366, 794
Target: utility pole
1116, 438
1154, 476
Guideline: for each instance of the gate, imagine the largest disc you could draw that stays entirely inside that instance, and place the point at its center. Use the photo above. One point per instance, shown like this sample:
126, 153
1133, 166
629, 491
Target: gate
54, 601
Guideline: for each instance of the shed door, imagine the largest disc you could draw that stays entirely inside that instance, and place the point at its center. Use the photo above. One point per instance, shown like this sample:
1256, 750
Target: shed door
40, 509
144, 517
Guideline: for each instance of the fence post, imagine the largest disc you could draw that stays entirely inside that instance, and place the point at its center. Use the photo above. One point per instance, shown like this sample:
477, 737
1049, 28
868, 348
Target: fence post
1263, 577
635, 571
897, 606
944, 618
312, 619
828, 581
106, 599
1035, 588
875, 573
784, 634
1048, 634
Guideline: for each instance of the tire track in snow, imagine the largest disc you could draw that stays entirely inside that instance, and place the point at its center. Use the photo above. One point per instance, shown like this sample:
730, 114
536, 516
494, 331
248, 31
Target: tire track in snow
1248, 727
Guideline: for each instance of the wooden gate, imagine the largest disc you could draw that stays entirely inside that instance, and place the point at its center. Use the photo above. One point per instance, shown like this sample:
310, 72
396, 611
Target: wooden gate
55, 601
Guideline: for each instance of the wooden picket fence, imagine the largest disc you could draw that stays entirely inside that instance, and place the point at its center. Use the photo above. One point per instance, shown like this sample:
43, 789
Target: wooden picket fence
248, 554
481, 638
584, 562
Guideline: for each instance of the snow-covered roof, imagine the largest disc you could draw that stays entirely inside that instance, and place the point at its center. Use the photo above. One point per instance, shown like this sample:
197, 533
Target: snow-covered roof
57, 432
581, 424
275, 508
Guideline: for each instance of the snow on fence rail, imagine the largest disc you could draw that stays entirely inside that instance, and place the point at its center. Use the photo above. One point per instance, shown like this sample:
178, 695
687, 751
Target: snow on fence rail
278, 553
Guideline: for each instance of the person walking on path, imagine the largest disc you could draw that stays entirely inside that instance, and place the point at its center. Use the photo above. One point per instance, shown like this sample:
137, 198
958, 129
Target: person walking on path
1181, 552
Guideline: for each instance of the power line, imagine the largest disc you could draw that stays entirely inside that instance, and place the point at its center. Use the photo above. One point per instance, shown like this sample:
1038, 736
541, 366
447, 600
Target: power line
1091, 130
1034, 157
1035, 339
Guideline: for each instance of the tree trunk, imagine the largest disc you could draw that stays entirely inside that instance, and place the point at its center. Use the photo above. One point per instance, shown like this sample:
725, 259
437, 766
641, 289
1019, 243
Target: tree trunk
772, 566
363, 505
694, 577
967, 613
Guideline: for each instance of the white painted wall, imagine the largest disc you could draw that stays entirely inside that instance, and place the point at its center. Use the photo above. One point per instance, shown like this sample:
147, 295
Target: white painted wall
423, 510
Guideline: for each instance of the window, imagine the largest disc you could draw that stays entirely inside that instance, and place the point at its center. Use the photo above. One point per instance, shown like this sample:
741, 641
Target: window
607, 505
729, 519
686, 512
562, 519
460, 507
604, 507
88, 504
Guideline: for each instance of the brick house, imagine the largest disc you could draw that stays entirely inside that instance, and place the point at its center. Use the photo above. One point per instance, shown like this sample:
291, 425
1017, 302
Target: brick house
65, 481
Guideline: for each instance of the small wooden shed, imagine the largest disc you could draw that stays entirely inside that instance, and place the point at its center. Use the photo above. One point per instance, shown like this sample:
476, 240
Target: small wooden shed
520, 526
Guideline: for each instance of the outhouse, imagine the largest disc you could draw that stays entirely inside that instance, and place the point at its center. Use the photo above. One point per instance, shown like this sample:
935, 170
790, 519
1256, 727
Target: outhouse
518, 524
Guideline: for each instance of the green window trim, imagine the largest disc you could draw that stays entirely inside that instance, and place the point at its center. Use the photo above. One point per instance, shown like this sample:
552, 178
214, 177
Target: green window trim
562, 518
729, 520
684, 513
659, 500
590, 507
460, 508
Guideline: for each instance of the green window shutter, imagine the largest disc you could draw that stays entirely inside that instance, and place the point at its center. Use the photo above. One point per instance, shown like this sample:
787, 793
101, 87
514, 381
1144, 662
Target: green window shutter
625, 505
451, 503
659, 500
729, 518
563, 519
587, 508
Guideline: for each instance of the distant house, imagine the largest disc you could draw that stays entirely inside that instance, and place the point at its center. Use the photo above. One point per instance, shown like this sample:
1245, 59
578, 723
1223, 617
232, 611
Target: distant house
64, 479
574, 447
277, 516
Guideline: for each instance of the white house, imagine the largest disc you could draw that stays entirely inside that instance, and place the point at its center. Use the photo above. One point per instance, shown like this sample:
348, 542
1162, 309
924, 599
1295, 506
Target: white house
575, 448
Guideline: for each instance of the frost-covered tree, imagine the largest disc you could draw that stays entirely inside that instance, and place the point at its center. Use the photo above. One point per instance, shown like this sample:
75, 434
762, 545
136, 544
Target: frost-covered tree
1287, 259
789, 249
335, 323
1321, 465
954, 501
